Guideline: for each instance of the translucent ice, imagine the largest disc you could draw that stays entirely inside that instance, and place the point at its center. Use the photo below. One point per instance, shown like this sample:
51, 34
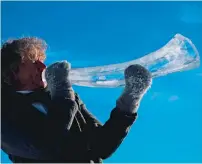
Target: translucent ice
179, 54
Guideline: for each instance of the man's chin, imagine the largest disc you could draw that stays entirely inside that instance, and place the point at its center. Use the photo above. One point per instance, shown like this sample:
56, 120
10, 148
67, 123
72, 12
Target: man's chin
39, 85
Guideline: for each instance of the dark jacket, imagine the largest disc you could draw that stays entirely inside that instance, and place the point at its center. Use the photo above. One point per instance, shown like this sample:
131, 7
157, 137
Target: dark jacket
67, 133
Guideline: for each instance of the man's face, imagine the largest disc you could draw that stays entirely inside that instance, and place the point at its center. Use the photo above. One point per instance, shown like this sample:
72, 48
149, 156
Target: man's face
29, 75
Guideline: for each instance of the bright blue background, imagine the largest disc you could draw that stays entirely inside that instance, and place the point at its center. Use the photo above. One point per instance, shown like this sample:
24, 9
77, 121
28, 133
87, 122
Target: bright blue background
168, 128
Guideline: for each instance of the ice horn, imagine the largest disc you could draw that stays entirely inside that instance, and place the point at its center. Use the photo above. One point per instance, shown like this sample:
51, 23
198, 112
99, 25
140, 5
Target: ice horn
179, 54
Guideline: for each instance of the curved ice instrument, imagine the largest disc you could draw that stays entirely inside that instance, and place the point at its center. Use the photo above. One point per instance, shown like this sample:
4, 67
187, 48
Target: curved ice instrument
179, 54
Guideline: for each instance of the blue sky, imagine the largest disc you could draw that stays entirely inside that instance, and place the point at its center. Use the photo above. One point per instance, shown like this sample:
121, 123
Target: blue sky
168, 128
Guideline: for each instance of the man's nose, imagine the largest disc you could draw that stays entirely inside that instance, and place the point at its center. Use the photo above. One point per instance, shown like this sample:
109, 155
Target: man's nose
41, 66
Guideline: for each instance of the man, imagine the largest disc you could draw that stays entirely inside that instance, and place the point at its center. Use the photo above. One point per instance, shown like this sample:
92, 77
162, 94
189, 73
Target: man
50, 123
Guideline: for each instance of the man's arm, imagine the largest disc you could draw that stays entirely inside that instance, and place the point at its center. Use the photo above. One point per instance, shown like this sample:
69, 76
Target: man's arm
101, 141
104, 139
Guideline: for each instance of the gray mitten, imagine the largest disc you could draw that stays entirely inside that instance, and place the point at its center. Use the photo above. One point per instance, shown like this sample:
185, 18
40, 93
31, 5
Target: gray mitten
137, 81
57, 78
